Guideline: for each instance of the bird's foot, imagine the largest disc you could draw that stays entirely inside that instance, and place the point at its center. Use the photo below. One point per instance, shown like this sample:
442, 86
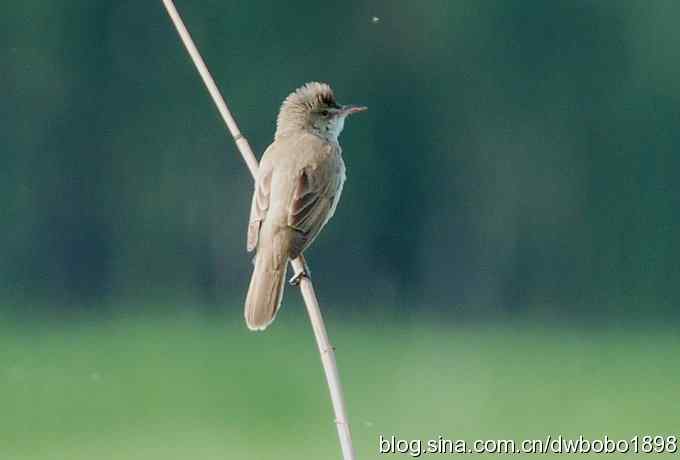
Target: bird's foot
296, 278
304, 273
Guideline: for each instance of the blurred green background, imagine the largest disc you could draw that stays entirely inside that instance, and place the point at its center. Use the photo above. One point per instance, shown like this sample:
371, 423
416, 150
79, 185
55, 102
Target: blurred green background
504, 261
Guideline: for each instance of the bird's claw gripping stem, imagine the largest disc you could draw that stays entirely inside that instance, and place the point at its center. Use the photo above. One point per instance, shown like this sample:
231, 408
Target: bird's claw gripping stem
305, 273
296, 278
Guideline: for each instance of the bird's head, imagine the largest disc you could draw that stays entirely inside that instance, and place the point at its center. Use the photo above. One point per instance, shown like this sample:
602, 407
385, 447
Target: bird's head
313, 107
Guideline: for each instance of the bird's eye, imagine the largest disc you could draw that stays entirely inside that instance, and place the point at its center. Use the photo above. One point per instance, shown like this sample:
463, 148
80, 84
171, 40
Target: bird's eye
324, 113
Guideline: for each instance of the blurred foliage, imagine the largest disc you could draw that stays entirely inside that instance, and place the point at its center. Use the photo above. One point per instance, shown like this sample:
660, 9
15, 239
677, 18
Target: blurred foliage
516, 154
137, 386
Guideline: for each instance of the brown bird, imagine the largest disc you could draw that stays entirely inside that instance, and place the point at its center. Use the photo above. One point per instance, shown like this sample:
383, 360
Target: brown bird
297, 188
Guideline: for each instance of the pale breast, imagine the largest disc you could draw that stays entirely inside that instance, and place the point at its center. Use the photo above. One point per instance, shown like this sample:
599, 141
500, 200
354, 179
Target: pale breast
339, 176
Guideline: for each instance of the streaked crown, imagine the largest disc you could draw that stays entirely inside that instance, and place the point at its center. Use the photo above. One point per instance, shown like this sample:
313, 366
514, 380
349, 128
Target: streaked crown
299, 108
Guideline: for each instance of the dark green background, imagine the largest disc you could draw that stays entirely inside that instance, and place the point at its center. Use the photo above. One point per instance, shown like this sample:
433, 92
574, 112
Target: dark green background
514, 154
516, 170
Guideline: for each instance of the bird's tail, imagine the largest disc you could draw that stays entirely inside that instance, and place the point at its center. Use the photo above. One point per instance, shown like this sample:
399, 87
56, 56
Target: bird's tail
266, 288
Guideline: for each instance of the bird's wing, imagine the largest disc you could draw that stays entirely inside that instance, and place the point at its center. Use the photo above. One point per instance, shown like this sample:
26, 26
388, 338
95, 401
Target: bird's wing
310, 208
260, 205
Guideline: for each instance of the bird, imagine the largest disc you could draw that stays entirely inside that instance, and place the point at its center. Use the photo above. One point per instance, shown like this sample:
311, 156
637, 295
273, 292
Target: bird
297, 189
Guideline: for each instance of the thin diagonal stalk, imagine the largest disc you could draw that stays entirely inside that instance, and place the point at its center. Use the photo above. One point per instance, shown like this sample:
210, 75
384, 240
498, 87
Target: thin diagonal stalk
326, 350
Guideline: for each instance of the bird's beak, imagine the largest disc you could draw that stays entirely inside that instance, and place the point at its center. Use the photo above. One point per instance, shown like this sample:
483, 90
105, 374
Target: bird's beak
350, 109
